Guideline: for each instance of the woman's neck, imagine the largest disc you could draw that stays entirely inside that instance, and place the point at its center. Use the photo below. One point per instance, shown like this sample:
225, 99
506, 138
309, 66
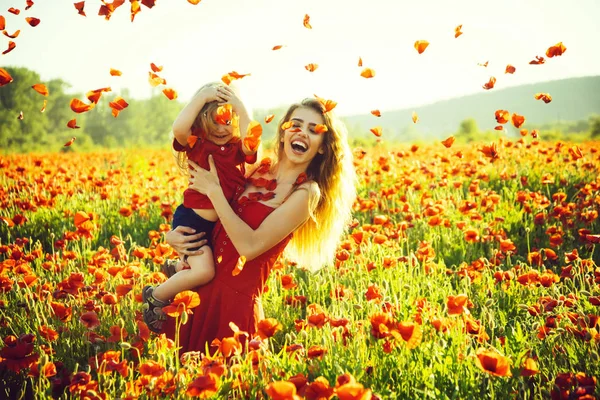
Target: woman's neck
287, 172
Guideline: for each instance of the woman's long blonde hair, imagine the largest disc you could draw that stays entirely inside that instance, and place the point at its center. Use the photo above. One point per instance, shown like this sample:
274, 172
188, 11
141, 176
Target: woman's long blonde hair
314, 244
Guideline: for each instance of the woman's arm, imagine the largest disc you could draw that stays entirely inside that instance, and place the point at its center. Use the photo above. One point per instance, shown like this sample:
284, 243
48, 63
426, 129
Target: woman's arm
247, 241
181, 242
251, 243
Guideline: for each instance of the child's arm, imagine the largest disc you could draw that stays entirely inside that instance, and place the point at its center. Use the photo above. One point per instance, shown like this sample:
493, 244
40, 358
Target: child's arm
239, 108
182, 127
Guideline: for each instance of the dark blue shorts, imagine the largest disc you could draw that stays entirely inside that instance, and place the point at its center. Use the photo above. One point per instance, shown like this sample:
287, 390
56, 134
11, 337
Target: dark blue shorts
187, 217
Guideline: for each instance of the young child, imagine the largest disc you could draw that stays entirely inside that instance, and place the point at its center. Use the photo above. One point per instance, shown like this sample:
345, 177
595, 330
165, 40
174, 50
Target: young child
208, 125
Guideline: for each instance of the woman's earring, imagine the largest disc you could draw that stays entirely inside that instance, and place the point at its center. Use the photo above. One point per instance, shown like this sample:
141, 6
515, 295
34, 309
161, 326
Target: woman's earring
321, 151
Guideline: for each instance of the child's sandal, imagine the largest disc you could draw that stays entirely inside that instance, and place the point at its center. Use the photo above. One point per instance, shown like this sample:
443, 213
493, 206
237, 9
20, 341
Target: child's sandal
168, 268
154, 316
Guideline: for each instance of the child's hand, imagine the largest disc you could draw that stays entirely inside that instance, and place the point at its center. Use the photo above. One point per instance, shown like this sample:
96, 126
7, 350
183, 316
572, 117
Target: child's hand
252, 138
211, 93
227, 95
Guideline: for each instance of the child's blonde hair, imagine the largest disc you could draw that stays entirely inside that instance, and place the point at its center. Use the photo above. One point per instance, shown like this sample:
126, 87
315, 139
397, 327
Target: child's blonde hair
314, 244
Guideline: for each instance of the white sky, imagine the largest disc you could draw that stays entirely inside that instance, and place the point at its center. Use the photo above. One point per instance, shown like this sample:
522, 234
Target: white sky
197, 44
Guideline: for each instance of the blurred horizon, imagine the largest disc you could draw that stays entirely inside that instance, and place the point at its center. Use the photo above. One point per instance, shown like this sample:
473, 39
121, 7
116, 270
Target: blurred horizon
197, 44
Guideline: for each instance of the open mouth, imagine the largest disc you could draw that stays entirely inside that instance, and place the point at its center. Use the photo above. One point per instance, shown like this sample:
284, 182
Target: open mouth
299, 146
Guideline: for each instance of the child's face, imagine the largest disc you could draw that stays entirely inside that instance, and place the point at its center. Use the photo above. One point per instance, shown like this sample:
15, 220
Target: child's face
220, 134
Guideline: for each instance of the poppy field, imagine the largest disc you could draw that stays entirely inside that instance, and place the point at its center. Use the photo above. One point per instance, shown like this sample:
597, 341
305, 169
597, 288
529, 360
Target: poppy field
467, 272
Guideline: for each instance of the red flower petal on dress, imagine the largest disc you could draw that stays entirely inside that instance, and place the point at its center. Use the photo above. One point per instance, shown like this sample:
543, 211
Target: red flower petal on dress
301, 179
265, 166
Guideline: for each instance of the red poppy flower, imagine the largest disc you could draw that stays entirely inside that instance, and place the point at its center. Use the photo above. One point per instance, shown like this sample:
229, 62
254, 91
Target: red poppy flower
316, 351
267, 327
457, 304
287, 282
48, 333
319, 389
204, 386
353, 391
183, 302
410, 332
282, 390
529, 367
61, 311
90, 320
493, 363
18, 353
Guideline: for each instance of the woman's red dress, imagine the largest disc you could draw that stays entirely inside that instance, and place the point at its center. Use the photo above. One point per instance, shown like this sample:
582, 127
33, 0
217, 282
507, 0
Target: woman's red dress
229, 298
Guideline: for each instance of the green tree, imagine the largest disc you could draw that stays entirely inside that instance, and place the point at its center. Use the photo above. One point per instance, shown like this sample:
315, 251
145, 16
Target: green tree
467, 130
595, 126
468, 127
30, 132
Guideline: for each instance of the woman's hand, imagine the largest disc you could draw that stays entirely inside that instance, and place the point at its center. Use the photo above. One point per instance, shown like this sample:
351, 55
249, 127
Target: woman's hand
181, 242
203, 181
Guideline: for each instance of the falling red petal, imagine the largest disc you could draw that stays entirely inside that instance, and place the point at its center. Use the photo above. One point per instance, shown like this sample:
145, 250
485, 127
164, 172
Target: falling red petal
73, 124
33, 21
79, 6
11, 46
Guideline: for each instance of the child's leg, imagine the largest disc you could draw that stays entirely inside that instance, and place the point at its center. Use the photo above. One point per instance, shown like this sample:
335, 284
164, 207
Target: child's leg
201, 271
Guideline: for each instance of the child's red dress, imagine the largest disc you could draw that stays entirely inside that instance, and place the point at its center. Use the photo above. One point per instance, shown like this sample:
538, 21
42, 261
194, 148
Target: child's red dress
229, 160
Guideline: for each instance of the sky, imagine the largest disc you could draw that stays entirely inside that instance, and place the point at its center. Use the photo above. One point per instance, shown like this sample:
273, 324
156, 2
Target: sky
197, 44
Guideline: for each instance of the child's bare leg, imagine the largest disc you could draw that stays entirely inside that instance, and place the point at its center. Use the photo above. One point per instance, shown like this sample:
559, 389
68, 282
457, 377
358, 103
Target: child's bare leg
201, 271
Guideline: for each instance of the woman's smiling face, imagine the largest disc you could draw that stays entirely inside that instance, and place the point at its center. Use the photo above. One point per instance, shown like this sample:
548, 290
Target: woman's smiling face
300, 142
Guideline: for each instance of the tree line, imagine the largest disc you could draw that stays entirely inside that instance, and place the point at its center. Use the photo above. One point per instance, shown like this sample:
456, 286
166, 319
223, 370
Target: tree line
144, 123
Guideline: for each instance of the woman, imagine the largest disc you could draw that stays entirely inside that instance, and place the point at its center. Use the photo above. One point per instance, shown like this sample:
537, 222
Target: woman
301, 205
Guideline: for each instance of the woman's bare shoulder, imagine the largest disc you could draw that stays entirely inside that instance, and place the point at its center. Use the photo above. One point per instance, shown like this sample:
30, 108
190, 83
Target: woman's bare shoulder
314, 192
